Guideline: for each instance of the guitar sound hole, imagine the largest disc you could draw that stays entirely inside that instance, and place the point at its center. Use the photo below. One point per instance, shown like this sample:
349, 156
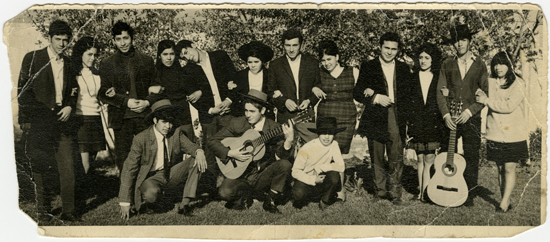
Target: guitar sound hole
448, 170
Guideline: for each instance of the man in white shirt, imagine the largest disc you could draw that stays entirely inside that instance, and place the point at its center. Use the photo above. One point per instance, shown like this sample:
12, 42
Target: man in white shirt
382, 86
156, 162
46, 98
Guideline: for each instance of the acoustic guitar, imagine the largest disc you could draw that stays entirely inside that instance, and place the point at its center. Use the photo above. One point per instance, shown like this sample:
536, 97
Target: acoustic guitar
448, 187
254, 143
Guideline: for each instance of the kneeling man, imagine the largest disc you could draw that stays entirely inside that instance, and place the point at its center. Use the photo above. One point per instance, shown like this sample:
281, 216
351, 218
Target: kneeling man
155, 162
266, 176
318, 166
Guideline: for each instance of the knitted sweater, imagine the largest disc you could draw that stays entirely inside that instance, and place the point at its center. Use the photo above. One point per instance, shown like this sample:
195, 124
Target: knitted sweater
315, 158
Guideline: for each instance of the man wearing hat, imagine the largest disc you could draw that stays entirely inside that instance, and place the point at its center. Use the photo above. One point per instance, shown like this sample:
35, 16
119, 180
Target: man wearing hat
318, 165
155, 162
459, 79
266, 176
256, 55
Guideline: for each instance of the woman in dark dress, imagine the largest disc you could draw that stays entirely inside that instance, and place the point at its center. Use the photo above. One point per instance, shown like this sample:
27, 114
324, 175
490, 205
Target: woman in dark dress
170, 83
256, 55
425, 124
336, 92
91, 137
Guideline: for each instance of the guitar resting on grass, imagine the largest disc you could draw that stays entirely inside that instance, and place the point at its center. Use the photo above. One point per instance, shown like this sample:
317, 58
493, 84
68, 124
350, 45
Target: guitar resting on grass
253, 143
448, 187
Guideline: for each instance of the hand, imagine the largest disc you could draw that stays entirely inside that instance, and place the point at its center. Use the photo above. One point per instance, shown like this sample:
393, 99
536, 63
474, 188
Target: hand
384, 100
368, 92
142, 105
319, 93
277, 94
288, 130
449, 122
200, 160
65, 113
194, 97
226, 103
481, 97
463, 118
110, 92
290, 105
320, 179
239, 155
216, 110
225, 110
304, 105
156, 89
25, 126
132, 103
125, 212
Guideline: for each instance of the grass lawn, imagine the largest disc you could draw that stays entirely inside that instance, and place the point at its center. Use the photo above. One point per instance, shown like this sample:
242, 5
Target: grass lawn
359, 209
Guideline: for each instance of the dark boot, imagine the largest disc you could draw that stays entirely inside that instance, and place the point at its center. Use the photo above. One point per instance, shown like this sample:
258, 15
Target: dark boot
269, 204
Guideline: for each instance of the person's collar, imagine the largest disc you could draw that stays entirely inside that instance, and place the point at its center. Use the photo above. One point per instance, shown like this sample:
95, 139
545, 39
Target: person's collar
203, 57
51, 53
131, 52
158, 135
297, 59
260, 124
384, 63
468, 56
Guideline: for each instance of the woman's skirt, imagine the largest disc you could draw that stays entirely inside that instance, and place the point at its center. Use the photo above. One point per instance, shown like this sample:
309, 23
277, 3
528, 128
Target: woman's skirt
91, 137
507, 152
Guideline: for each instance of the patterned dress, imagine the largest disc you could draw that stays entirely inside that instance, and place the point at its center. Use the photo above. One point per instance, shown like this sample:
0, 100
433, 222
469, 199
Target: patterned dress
339, 104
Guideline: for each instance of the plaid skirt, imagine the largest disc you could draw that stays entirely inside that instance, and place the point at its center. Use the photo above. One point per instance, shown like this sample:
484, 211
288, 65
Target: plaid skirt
345, 113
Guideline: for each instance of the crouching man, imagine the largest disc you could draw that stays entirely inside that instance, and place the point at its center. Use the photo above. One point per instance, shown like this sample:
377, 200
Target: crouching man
155, 162
318, 166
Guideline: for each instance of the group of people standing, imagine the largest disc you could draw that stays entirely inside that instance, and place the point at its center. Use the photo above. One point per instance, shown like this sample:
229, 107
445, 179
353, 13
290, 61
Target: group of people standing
62, 99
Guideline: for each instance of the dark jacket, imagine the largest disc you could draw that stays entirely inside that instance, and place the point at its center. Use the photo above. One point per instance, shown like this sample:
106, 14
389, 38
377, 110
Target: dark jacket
36, 89
281, 78
117, 71
374, 120
424, 120
242, 83
141, 158
236, 128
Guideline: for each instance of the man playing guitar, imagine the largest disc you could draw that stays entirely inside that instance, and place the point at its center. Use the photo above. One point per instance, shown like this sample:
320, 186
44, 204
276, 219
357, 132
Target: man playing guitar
264, 176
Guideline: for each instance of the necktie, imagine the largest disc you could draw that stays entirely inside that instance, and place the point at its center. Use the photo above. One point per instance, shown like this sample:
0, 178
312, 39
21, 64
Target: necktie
166, 160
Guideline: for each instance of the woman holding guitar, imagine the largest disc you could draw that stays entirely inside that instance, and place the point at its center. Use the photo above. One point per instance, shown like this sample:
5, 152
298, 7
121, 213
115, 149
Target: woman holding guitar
425, 124
506, 124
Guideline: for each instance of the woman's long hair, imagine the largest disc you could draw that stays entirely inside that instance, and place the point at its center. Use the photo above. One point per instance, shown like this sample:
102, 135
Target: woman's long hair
163, 45
81, 46
433, 51
503, 58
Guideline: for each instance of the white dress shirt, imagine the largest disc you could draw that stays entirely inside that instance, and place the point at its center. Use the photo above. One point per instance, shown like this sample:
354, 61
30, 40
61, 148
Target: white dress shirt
425, 81
207, 68
159, 159
389, 73
295, 68
255, 81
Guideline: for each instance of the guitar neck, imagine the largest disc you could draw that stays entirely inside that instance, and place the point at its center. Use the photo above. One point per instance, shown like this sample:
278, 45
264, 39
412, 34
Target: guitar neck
267, 136
452, 146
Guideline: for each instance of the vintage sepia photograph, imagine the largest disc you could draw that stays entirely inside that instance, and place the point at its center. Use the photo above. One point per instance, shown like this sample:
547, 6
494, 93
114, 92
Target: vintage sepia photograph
177, 120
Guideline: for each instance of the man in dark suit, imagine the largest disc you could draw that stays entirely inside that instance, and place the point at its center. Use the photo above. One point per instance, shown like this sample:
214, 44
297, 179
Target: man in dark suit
156, 162
382, 86
266, 175
460, 77
292, 78
46, 97
125, 79
215, 102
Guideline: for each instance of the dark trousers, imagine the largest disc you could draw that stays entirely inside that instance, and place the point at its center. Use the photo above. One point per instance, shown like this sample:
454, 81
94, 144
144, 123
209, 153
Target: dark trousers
124, 137
394, 164
182, 172
273, 177
327, 189
471, 140
51, 155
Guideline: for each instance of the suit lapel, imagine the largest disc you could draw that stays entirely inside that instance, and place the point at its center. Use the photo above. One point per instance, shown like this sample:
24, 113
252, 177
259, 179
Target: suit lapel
286, 66
152, 147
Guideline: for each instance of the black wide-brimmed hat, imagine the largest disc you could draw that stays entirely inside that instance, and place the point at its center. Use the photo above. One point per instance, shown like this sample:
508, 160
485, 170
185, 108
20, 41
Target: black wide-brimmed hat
459, 32
326, 125
264, 52
257, 96
161, 105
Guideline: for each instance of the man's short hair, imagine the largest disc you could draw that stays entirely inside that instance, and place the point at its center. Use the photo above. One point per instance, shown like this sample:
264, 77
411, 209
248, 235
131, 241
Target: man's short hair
390, 36
122, 26
182, 44
254, 103
166, 115
60, 27
292, 33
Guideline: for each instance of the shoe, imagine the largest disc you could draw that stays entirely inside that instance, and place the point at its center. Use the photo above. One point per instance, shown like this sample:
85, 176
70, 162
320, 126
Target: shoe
269, 206
248, 202
44, 217
322, 205
415, 198
500, 210
469, 203
397, 202
71, 217
185, 210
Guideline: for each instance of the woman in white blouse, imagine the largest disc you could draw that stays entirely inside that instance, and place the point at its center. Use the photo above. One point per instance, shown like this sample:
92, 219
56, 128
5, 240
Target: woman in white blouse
91, 137
507, 130
425, 127
256, 55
